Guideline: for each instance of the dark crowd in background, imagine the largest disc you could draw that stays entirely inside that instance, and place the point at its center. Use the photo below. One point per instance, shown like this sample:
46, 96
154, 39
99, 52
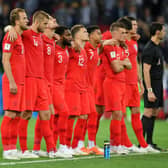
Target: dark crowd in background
89, 12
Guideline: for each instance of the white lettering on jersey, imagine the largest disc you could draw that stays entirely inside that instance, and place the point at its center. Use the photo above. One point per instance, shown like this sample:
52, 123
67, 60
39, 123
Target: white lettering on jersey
22, 49
135, 46
81, 61
127, 52
48, 50
112, 54
35, 42
60, 59
7, 46
91, 54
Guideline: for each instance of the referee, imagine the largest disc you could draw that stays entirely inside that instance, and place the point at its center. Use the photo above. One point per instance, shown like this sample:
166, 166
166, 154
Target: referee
152, 67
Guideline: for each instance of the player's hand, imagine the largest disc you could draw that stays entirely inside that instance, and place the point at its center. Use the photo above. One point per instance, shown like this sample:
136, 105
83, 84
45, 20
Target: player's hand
151, 97
141, 88
56, 37
12, 35
136, 37
13, 88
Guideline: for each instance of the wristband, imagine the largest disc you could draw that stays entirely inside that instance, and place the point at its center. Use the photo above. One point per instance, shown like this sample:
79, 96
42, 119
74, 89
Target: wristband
150, 90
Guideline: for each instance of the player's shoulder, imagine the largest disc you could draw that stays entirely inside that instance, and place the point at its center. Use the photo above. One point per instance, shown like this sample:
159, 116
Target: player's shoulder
109, 47
106, 35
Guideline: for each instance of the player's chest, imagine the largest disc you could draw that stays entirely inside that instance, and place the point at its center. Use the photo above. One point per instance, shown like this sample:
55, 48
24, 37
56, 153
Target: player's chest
36, 41
62, 57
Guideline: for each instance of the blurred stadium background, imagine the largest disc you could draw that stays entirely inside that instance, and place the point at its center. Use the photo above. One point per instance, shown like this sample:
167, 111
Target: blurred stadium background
101, 12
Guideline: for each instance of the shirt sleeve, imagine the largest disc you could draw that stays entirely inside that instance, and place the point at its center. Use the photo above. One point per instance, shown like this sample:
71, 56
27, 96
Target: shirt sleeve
7, 45
110, 52
148, 56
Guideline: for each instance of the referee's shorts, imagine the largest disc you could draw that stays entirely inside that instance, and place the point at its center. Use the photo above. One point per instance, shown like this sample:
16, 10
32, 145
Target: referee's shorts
157, 86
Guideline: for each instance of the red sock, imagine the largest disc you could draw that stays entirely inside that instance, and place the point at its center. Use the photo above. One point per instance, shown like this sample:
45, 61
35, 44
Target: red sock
52, 122
22, 131
115, 132
78, 131
62, 128
5, 132
69, 132
14, 132
137, 127
82, 138
47, 133
98, 121
37, 135
55, 129
92, 126
124, 136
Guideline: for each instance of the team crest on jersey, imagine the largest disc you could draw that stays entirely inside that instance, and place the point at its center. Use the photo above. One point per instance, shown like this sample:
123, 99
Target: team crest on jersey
7, 46
135, 46
112, 54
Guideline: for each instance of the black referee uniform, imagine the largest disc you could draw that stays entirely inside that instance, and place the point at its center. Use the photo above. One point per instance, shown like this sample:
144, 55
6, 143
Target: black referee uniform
152, 55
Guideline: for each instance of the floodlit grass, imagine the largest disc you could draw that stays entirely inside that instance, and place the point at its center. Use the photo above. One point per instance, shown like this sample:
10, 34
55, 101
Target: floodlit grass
128, 161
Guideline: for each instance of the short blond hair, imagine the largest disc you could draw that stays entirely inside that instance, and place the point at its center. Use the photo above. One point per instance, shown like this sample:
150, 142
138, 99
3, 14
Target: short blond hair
40, 15
14, 15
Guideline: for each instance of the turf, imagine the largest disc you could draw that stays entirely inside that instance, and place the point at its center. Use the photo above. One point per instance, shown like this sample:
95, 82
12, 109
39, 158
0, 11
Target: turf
132, 160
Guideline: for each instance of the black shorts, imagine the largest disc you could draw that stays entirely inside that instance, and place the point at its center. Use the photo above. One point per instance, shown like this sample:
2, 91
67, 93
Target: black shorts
157, 86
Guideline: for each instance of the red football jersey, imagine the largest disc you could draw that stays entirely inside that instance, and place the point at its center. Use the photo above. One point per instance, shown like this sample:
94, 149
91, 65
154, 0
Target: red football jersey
60, 64
112, 53
17, 59
49, 54
33, 45
107, 35
76, 79
100, 72
92, 60
132, 75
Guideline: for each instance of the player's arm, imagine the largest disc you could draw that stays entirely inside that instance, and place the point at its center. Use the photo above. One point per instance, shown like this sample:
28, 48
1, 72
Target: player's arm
140, 80
147, 79
117, 66
106, 42
7, 68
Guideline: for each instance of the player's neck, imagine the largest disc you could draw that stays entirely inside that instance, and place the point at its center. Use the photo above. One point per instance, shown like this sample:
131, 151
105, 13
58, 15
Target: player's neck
155, 40
81, 43
34, 28
18, 30
93, 43
49, 33
60, 43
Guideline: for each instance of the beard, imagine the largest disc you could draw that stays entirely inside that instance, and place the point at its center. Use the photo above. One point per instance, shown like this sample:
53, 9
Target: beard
25, 27
40, 30
66, 43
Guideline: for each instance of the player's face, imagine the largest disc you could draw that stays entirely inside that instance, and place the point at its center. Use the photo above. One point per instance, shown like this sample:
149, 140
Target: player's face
52, 23
42, 25
67, 38
121, 34
23, 21
97, 35
134, 26
162, 33
83, 34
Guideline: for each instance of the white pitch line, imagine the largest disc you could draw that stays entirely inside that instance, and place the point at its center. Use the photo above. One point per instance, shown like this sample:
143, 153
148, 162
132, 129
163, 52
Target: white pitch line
77, 158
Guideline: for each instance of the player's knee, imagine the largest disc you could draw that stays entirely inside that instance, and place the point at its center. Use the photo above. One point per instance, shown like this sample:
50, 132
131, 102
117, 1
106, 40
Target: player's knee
117, 115
10, 114
135, 110
44, 115
26, 115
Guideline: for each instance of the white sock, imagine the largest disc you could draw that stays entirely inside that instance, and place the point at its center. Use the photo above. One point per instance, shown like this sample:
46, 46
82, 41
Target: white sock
81, 144
91, 144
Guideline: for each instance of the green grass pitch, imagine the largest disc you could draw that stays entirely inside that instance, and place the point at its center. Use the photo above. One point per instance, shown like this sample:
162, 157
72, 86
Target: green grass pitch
116, 161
